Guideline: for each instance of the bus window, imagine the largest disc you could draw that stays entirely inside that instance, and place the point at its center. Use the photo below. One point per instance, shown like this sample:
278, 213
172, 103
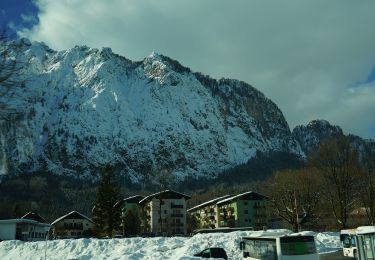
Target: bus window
346, 241
369, 247
261, 249
297, 245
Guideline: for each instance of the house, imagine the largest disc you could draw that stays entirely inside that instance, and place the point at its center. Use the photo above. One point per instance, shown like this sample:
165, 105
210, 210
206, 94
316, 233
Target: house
129, 206
244, 210
33, 216
207, 213
72, 225
23, 229
165, 212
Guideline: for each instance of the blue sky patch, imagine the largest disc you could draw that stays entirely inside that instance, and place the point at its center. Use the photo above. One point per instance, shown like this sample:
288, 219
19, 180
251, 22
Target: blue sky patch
371, 76
17, 14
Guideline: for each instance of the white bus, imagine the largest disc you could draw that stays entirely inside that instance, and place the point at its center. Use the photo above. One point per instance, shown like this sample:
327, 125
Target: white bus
348, 240
366, 242
279, 247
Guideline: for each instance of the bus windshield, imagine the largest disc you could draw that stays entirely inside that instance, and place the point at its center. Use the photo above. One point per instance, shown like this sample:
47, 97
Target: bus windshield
297, 245
348, 240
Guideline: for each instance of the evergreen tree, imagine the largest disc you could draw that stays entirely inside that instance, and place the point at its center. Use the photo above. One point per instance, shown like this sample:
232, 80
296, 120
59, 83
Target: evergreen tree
132, 223
105, 215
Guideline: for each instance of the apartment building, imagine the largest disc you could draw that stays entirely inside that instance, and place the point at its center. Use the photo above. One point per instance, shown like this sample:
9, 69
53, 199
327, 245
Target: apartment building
164, 212
207, 213
244, 210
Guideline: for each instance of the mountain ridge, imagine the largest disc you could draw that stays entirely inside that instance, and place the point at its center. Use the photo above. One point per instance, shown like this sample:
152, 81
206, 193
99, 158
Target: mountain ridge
82, 108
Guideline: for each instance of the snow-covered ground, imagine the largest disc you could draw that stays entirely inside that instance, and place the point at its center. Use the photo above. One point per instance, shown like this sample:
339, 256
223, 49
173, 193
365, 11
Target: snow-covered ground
142, 248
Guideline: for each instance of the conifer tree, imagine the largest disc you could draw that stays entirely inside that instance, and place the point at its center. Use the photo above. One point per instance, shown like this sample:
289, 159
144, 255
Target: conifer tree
105, 215
132, 223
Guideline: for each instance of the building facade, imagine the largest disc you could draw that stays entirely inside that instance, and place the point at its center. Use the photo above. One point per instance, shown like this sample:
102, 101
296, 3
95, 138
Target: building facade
244, 210
72, 225
207, 213
23, 229
164, 212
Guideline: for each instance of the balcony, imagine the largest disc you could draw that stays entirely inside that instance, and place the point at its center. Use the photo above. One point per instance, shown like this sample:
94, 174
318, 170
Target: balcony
231, 210
177, 224
211, 214
259, 206
176, 206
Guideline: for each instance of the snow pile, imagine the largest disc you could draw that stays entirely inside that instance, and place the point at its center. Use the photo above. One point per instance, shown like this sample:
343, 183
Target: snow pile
142, 248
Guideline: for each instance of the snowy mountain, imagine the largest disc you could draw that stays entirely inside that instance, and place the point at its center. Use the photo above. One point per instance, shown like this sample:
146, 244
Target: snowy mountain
310, 136
81, 108
313, 133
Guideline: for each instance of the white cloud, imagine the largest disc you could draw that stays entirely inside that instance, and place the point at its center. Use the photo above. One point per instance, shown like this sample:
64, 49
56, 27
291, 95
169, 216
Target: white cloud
304, 55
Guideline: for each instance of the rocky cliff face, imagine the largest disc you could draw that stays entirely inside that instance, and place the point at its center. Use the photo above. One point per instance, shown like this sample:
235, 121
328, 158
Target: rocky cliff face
313, 133
79, 109
310, 136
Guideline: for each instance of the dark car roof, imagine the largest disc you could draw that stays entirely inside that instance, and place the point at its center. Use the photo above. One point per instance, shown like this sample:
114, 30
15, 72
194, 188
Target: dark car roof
216, 251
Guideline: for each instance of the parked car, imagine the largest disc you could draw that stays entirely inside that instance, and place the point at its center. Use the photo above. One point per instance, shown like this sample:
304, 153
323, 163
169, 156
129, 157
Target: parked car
213, 252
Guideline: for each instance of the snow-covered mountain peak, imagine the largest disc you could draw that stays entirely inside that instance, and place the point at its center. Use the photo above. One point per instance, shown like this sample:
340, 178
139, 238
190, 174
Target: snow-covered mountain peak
82, 108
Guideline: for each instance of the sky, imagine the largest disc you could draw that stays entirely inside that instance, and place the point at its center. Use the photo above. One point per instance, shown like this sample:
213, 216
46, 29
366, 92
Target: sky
314, 59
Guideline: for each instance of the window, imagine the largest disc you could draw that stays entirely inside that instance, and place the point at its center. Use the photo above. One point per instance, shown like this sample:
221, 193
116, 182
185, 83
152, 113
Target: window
66, 226
245, 203
246, 211
165, 211
297, 245
261, 248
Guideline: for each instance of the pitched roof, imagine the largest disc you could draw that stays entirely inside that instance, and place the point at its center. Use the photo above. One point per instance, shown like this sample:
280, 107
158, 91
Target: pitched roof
132, 199
207, 203
166, 194
33, 216
24, 220
250, 195
72, 215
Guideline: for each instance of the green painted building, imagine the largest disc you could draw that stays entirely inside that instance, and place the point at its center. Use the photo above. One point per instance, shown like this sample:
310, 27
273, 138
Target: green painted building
207, 213
244, 210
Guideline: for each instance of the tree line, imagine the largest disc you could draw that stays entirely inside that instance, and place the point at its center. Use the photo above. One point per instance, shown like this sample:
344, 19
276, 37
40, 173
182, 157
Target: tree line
336, 181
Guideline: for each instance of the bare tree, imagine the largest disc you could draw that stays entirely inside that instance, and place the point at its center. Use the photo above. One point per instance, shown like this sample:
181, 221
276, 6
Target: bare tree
295, 196
368, 183
338, 162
